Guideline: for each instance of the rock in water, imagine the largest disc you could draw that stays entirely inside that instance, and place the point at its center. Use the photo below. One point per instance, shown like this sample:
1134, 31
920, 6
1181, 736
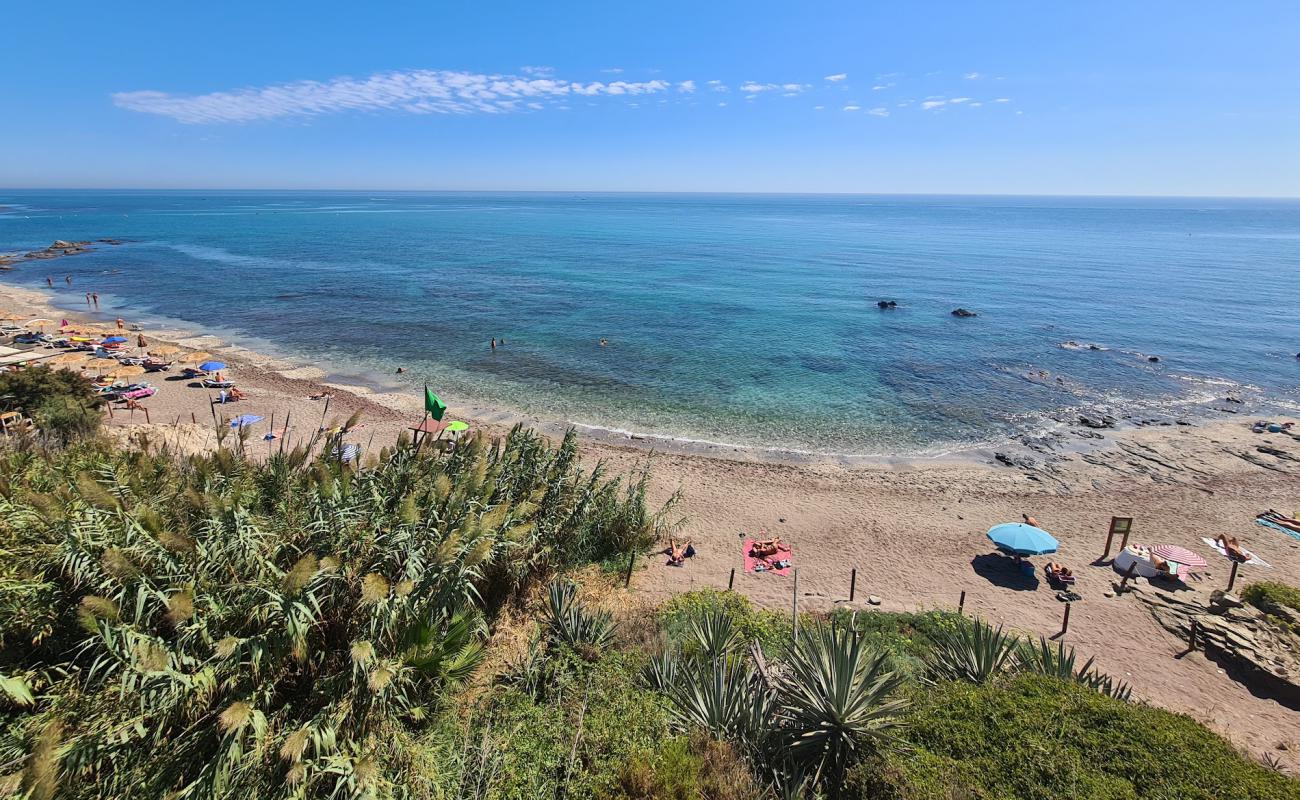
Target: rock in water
886, 304
963, 312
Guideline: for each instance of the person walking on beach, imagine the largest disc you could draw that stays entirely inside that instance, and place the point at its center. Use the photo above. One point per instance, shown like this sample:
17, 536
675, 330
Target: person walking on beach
67, 279
87, 299
49, 281
121, 323
95, 297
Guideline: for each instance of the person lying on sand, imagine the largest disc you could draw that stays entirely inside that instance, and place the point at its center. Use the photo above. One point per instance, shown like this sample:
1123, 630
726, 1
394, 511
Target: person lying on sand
766, 547
1059, 570
1232, 547
678, 553
1031, 521
322, 396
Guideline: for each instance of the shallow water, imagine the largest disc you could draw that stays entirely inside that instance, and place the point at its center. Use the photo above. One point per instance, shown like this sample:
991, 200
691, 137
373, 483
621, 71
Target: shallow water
733, 318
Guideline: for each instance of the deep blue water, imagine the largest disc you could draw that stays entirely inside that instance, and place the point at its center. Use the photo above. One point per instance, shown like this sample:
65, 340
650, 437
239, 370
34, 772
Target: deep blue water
744, 319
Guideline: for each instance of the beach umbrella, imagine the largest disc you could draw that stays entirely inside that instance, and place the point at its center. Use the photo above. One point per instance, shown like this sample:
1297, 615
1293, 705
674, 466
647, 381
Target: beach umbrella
1178, 555
212, 366
126, 372
39, 323
68, 358
1022, 539
457, 425
244, 420
114, 339
196, 357
165, 350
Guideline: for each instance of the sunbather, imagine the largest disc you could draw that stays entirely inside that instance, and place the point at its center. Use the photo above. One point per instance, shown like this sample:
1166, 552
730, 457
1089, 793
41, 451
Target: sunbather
1160, 564
1059, 570
1232, 547
1031, 521
235, 394
766, 547
678, 553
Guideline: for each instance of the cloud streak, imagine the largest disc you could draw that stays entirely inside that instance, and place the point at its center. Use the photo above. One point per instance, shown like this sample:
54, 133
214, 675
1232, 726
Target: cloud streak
416, 92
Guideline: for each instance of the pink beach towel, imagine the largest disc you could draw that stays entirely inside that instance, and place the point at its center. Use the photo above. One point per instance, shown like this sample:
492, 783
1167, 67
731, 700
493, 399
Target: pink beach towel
783, 553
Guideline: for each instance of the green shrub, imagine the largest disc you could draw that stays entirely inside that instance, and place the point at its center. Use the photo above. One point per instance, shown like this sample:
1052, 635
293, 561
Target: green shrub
1279, 601
1033, 736
700, 768
771, 629
908, 637
231, 629
63, 403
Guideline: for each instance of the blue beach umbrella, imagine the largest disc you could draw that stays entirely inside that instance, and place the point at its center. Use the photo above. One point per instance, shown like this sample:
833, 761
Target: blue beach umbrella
115, 340
212, 366
1021, 539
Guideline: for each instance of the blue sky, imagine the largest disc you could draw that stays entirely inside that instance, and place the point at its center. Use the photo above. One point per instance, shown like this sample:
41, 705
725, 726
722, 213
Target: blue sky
1150, 97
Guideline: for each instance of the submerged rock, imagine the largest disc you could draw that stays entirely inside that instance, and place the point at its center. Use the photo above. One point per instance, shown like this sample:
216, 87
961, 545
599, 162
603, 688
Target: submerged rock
886, 304
963, 312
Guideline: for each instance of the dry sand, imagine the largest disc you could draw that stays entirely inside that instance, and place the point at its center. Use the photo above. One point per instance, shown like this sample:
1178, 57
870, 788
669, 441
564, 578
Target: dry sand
913, 529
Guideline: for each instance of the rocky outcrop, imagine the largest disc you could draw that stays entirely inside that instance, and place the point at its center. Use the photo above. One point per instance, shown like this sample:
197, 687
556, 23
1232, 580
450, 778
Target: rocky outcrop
57, 249
1097, 420
1261, 652
963, 312
886, 304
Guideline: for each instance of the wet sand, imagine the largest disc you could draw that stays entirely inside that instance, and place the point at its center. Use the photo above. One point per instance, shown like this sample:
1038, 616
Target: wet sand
913, 528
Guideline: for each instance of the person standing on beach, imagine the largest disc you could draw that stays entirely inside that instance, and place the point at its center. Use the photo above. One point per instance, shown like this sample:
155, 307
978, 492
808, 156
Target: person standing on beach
87, 299
67, 279
121, 323
494, 342
49, 281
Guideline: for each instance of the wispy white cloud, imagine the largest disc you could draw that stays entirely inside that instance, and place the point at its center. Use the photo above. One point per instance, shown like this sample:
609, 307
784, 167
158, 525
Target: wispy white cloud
417, 92
933, 103
973, 76
1003, 100
717, 86
880, 87
753, 88
837, 77
819, 108
879, 111
686, 86
959, 100
612, 70
852, 108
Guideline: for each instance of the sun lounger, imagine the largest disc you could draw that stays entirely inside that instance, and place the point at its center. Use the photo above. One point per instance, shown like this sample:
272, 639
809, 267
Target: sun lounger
1056, 577
209, 383
139, 394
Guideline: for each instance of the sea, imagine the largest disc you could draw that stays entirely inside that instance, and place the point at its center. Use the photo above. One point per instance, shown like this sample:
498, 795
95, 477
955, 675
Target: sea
746, 320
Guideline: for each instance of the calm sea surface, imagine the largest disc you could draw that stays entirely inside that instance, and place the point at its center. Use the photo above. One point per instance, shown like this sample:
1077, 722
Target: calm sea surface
732, 318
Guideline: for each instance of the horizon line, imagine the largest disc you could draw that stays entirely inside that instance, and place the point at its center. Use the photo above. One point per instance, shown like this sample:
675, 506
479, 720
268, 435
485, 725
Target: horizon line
1097, 195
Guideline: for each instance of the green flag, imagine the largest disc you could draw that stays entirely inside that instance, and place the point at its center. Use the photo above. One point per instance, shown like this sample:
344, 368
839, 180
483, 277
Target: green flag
433, 405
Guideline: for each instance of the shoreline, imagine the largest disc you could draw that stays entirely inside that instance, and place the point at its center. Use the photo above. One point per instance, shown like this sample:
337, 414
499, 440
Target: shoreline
1056, 437
912, 530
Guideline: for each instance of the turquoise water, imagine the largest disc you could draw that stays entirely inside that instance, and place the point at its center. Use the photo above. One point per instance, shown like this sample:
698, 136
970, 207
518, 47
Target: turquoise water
731, 318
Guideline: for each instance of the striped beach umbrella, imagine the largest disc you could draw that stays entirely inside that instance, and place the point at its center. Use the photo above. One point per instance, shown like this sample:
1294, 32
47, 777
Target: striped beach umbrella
1178, 555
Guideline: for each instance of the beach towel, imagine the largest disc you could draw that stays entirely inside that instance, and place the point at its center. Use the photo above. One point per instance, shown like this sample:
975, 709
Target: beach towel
1270, 524
1254, 560
348, 454
782, 556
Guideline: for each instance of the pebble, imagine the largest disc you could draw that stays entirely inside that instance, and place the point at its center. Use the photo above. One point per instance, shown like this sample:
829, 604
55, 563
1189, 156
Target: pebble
1107, 594
873, 600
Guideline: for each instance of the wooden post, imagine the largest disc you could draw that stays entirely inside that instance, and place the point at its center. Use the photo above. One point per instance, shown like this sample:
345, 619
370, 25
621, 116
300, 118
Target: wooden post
288, 415
325, 412
631, 564
794, 605
109, 404
1191, 637
1232, 576
961, 603
1065, 620
193, 419
1117, 525
1124, 583
732, 580
853, 583
145, 409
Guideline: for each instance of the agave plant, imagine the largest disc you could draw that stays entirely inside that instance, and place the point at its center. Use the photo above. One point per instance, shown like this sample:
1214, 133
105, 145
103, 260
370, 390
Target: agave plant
837, 698
715, 634
975, 652
1060, 662
724, 697
572, 624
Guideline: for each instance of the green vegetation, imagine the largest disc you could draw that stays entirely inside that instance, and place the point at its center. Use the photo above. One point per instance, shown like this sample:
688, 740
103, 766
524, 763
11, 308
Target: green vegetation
1034, 736
213, 628
205, 627
1280, 602
63, 404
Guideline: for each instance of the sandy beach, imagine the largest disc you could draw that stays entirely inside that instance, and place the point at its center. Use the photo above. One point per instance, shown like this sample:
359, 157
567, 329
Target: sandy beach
913, 529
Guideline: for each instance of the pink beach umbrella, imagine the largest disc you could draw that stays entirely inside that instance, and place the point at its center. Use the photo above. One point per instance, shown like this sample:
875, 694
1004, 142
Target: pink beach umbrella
1179, 555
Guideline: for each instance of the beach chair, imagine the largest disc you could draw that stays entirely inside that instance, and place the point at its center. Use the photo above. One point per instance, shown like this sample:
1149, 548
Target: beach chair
1056, 578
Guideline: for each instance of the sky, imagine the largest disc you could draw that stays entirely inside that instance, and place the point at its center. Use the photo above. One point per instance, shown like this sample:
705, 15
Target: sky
909, 96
